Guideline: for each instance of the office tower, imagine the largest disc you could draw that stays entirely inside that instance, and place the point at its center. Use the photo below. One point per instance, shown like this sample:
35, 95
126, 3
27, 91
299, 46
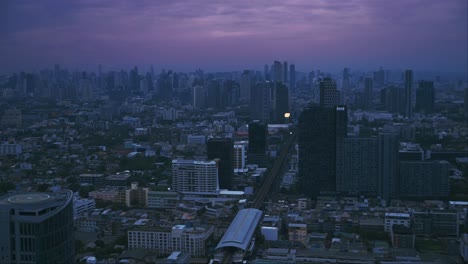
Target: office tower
281, 102
199, 96
195, 177
285, 72
222, 149
318, 130
424, 179
164, 86
466, 104
230, 93
346, 85
425, 97
277, 71
357, 166
408, 93
260, 101
367, 102
393, 99
328, 93
266, 73
240, 156
379, 78
37, 228
213, 94
245, 85
258, 132
388, 165
292, 77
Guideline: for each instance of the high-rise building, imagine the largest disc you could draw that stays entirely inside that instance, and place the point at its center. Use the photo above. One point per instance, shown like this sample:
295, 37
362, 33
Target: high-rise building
408, 93
346, 84
357, 166
318, 131
266, 73
222, 149
196, 177
388, 145
245, 85
425, 97
367, 102
379, 78
285, 72
260, 101
281, 102
328, 93
277, 71
240, 156
424, 179
257, 143
199, 96
393, 99
292, 77
37, 228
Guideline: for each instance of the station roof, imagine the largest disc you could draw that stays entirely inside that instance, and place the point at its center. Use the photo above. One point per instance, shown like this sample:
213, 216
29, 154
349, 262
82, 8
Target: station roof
241, 230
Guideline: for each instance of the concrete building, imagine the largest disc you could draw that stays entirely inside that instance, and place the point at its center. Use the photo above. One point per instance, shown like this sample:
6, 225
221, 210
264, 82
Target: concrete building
402, 236
191, 240
93, 179
195, 177
298, 232
435, 222
240, 156
37, 228
161, 200
396, 219
7, 148
424, 179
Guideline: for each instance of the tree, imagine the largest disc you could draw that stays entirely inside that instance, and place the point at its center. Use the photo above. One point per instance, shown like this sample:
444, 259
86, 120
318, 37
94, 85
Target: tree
5, 186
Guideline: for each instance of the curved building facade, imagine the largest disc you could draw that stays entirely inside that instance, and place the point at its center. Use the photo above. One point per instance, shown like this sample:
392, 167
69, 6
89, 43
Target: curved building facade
37, 228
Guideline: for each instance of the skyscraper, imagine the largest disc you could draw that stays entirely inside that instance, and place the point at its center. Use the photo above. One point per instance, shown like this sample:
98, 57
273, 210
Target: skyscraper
285, 72
388, 165
266, 73
328, 93
367, 102
277, 71
245, 85
37, 228
281, 102
379, 77
408, 93
357, 165
292, 77
424, 179
256, 153
222, 149
318, 130
260, 101
346, 84
425, 97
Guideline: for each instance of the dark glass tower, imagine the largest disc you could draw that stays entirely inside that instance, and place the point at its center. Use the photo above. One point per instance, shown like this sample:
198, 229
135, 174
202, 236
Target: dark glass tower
222, 149
37, 228
257, 143
281, 102
319, 128
425, 97
409, 93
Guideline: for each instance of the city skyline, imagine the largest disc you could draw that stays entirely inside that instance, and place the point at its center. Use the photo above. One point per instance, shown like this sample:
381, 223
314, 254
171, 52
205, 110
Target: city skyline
217, 36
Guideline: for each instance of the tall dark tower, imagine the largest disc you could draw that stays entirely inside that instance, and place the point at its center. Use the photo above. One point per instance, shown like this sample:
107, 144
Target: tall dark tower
292, 77
425, 97
285, 72
281, 101
319, 128
222, 149
388, 165
260, 97
256, 153
367, 102
408, 93
328, 93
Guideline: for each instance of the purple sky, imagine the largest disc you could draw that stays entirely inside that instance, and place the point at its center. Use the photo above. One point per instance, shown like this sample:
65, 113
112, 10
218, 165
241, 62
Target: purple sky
234, 35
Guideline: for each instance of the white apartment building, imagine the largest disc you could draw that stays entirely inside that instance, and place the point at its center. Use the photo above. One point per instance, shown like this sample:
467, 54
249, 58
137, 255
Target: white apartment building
195, 177
191, 240
396, 218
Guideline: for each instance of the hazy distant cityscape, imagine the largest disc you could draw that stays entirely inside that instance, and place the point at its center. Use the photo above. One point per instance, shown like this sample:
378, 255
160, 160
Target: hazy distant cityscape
336, 134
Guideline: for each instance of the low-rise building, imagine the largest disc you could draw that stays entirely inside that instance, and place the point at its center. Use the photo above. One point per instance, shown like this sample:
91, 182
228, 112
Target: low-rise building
396, 219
